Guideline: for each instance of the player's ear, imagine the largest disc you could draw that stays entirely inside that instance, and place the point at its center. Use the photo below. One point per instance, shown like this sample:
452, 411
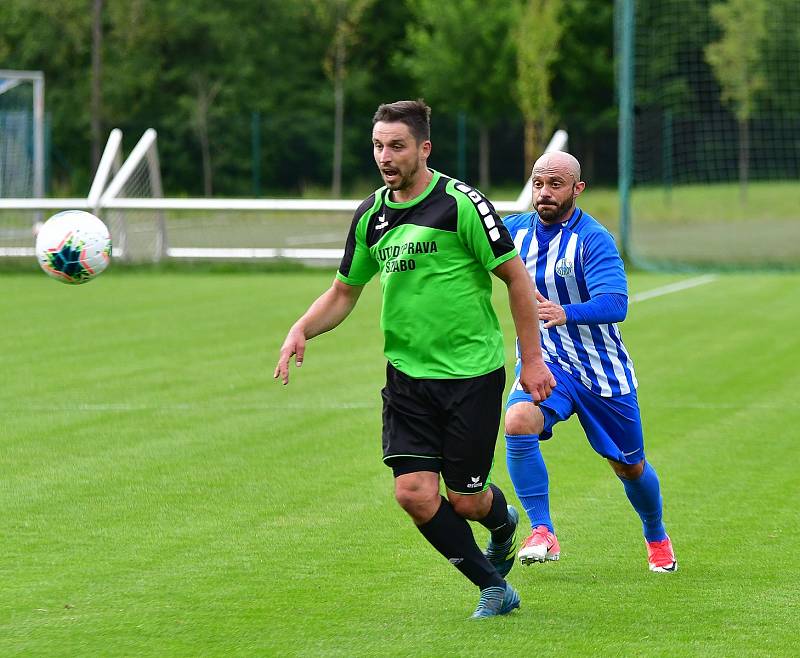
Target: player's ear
580, 186
425, 148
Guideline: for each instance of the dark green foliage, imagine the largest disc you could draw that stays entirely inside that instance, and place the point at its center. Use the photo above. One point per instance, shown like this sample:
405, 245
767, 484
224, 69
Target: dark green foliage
191, 69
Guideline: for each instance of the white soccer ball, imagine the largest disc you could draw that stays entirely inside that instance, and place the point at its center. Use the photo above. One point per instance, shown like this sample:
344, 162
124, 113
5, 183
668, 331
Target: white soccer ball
73, 246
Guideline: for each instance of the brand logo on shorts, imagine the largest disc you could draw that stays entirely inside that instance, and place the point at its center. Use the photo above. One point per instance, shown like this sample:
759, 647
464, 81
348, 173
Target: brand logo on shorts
476, 482
565, 268
456, 560
381, 223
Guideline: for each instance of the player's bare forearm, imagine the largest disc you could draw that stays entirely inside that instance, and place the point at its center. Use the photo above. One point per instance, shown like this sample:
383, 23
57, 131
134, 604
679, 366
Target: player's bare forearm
535, 376
523, 307
327, 311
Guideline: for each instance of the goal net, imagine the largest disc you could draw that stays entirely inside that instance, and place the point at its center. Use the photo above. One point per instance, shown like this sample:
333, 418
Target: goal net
22, 161
710, 132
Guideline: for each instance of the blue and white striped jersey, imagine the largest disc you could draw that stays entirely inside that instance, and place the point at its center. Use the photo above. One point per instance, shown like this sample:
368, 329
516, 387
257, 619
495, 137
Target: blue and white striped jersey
570, 263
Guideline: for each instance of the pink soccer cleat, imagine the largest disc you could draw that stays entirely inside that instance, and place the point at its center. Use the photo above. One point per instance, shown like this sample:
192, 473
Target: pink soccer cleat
540, 545
661, 556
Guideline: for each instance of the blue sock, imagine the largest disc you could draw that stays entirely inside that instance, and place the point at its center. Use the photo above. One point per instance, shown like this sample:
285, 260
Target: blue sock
645, 496
529, 476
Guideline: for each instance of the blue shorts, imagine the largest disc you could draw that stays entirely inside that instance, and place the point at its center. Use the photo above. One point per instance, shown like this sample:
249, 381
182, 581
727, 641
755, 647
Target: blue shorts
612, 425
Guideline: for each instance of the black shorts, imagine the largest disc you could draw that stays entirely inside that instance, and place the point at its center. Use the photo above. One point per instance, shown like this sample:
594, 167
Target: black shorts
448, 426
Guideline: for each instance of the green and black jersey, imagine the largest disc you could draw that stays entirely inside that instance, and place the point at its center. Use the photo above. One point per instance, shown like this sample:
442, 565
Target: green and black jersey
434, 254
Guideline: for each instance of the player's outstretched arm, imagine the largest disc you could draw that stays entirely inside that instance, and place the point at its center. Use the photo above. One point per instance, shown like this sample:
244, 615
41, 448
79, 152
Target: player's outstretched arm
535, 377
327, 312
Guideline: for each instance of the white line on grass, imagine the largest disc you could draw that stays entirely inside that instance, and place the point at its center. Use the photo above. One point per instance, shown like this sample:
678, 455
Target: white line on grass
715, 406
672, 287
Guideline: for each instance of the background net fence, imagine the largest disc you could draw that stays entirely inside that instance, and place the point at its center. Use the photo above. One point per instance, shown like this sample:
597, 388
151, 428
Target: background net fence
715, 164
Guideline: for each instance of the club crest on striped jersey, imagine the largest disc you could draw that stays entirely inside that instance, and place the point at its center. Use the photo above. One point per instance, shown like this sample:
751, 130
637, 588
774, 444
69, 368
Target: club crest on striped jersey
565, 268
482, 206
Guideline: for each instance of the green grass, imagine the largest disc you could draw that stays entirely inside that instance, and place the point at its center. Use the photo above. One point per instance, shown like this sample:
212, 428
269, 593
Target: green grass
163, 496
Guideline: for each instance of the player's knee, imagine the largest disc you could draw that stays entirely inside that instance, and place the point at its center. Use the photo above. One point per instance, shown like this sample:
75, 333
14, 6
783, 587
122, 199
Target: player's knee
415, 498
410, 498
523, 418
473, 506
627, 471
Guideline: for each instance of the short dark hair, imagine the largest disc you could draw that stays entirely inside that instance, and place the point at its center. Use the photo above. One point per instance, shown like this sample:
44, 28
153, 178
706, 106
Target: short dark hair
415, 114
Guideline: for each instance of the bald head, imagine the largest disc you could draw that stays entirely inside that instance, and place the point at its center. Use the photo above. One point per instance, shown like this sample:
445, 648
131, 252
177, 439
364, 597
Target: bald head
558, 162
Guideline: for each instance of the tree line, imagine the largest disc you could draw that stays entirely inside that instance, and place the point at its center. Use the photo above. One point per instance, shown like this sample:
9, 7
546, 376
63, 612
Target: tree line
276, 96
288, 87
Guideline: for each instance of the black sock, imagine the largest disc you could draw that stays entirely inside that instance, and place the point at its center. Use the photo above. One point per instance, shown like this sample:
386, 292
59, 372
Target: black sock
496, 521
451, 535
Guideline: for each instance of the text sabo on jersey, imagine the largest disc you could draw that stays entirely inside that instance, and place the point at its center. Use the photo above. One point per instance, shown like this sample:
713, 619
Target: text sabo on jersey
400, 265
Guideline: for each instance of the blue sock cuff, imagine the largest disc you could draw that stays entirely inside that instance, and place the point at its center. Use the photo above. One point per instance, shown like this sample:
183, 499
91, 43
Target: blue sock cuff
521, 445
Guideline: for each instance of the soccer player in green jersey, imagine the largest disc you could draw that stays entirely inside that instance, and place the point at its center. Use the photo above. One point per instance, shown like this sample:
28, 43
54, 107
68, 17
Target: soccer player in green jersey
434, 241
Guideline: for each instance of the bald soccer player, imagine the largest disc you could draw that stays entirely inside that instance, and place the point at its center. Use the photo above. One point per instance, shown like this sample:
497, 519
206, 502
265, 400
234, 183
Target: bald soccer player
582, 294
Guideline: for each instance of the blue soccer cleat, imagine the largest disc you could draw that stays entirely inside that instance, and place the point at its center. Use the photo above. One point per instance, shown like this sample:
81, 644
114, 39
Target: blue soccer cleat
496, 601
502, 555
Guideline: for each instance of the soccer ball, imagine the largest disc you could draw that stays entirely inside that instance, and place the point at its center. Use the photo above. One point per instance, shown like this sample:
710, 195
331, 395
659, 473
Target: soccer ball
73, 246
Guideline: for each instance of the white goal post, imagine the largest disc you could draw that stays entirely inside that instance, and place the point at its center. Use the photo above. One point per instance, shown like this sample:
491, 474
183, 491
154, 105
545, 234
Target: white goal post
146, 227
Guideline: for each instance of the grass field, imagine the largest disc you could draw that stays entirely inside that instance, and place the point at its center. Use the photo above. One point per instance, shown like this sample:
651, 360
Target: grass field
163, 496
